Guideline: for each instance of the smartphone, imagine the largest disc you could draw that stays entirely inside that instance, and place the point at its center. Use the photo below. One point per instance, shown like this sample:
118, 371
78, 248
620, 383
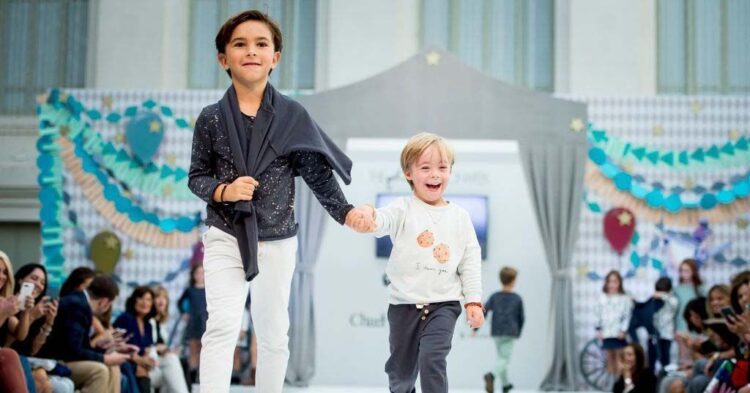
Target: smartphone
26, 289
727, 311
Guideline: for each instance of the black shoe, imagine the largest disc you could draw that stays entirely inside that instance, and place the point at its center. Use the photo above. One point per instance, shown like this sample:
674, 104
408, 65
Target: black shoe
507, 388
489, 383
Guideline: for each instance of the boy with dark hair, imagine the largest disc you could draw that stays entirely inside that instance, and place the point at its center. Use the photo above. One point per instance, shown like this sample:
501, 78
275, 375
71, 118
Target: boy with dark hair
91, 370
507, 321
247, 150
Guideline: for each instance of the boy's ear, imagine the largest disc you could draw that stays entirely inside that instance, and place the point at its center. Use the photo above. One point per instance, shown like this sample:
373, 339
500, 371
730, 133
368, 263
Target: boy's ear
276, 59
222, 59
407, 174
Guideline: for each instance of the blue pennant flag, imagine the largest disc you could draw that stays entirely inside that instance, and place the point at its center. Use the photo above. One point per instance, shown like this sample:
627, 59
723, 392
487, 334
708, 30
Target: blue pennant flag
713, 152
728, 148
698, 154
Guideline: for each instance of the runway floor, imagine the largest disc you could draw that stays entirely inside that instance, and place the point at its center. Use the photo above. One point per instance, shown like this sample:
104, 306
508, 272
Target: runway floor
352, 389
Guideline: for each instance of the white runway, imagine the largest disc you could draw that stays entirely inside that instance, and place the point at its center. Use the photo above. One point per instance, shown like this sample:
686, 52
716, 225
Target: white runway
354, 389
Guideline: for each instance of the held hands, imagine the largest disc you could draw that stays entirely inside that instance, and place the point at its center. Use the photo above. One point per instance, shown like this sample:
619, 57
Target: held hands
361, 219
474, 316
241, 189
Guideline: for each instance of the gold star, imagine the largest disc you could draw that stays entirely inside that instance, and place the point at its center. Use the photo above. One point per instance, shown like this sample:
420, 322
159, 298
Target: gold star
64, 130
41, 99
63, 96
432, 58
696, 107
582, 270
624, 218
689, 183
120, 138
167, 190
154, 126
628, 167
734, 134
576, 125
742, 223
107, 102
171, 159
128, 254
658, 130
112, 242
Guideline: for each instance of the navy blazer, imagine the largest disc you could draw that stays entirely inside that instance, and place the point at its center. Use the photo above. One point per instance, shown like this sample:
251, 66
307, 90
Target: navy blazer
128, 322
70, 339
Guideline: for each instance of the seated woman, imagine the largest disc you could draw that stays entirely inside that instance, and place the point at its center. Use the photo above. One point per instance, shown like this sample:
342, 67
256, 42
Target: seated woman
48, 376
139, 308
168, 375
635, 376
14, 323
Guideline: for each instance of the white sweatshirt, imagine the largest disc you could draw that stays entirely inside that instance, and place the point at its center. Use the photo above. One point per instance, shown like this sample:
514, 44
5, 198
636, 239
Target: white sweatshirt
436, 256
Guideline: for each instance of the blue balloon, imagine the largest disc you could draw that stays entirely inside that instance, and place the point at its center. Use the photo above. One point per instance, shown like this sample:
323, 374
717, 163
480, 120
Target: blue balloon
144, 133
741, 189
725, 197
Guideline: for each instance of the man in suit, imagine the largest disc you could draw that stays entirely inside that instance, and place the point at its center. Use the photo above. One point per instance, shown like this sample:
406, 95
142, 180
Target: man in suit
91, 369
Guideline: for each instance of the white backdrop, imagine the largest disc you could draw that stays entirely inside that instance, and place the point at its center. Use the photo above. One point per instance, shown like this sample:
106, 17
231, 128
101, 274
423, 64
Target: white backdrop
351, 298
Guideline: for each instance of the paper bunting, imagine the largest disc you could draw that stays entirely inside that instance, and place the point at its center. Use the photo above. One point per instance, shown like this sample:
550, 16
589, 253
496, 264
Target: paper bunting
728, 154
597, 182
140, 230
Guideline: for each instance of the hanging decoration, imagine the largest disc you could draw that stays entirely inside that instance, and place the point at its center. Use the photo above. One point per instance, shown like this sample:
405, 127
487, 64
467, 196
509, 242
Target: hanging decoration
619, 226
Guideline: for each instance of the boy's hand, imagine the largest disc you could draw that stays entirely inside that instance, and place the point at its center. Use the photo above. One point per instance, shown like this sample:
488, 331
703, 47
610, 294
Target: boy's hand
241, 189
361, 219
474, 316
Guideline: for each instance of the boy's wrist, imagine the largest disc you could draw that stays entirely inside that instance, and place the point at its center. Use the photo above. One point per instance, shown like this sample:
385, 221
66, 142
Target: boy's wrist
474, 304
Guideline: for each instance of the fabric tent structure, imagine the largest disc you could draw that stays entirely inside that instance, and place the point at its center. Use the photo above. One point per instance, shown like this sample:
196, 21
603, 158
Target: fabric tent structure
435, 92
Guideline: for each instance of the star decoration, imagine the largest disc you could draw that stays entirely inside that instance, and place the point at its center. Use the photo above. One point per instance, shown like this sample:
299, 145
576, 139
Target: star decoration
154, 127
120, 138
64, 130
576, 125
624, 218
432, 58
112, 242
128, 254
689, 183
641, 272
628, 167
582, 270
107, 102
171, 159
742, 223
734, 134
658, 130
41, 99
696, 107
63, 96
167, 190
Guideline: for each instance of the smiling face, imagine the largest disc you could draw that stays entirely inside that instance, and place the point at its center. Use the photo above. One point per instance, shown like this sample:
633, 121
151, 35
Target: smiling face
250, 54
686, 273
613, 284
430, 175
628, 358
717, 300
143, 304
38, 278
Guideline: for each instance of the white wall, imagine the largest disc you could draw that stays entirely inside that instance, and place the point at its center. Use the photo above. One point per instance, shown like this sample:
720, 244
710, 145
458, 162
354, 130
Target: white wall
366, 37
612, 47
351, 299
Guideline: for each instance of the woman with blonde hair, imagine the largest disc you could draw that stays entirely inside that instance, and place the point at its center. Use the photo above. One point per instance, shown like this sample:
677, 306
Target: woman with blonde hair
168, 374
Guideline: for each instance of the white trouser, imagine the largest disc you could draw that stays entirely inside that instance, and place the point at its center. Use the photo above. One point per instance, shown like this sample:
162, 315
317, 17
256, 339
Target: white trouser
168, 375
226, 292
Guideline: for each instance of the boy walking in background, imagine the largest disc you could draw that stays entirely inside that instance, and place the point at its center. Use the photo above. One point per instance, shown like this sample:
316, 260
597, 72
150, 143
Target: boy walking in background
507, 321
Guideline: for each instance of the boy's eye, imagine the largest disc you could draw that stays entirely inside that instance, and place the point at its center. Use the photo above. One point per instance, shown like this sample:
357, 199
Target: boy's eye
263, 44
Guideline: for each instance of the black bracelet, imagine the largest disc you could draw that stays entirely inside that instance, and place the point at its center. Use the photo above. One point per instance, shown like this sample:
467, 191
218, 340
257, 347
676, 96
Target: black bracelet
221, 196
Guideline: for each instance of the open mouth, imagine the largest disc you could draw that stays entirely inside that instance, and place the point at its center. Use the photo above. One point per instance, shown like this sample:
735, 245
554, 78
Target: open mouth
433, 187
251, 64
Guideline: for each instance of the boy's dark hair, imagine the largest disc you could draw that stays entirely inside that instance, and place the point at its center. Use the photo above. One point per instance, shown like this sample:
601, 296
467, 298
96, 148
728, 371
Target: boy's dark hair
663, 284
138, 293
226, 30
103, 287
698, 306
508, 275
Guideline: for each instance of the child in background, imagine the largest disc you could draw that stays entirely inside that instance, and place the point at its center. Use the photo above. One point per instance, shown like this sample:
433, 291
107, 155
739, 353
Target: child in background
613, 318
192, 305
664, 321
689, 287
507, 321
